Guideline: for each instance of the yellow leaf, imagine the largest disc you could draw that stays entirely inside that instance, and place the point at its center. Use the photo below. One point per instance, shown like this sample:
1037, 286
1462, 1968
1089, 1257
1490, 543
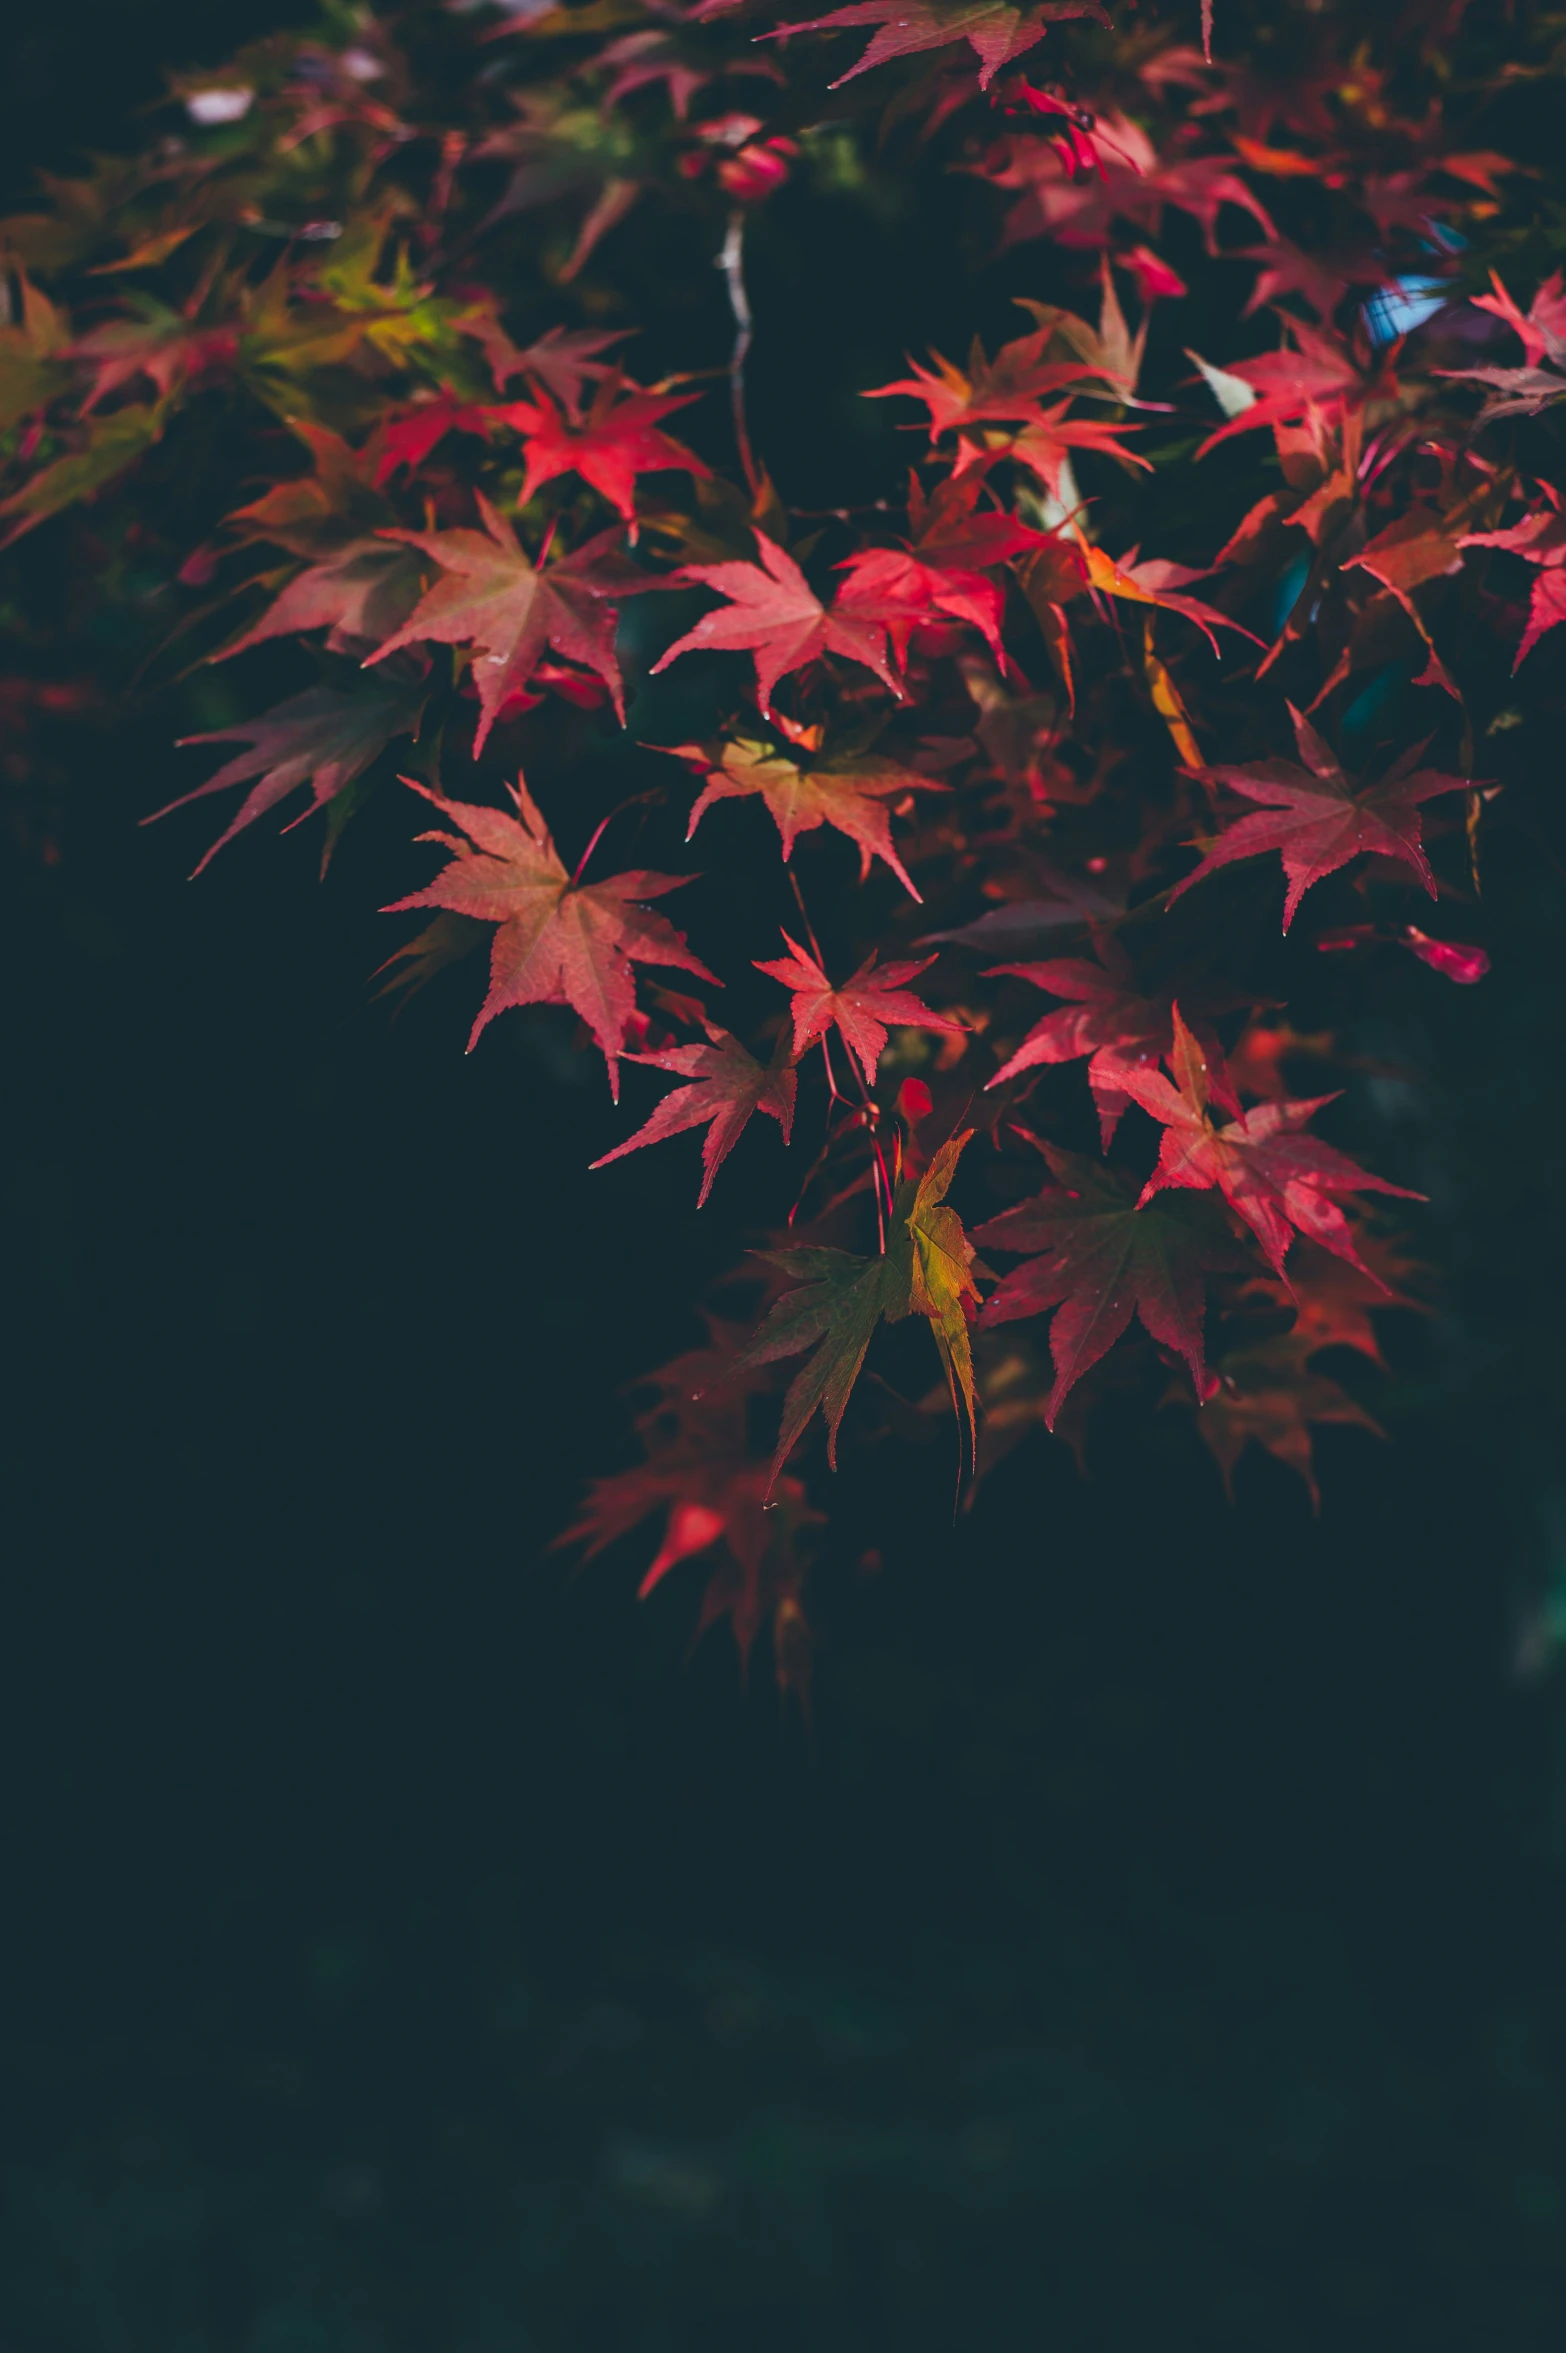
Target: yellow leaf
1167, 703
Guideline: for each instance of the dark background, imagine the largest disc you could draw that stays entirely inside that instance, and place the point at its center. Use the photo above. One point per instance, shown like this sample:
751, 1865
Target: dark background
405, 1947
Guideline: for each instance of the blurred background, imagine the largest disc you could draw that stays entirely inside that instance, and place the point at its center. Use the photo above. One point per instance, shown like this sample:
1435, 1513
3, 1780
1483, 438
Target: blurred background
411, 1944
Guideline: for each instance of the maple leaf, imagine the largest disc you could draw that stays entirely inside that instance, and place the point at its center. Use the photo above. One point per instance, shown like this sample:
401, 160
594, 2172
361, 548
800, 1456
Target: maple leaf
988, 394
564, 360
361, 592
942, 573
444, 941
1543, 328
1070, 126
324, 738
846, 790
1271, 1175
1156, 581
1412, 550
1131, 183
1097, 1257
702, 1473
562, 151
320, 512
1332, 1301
1106, 1017
1540, 538
109, 445
775, 614
409, 437
1268, 1394
31, 348
863, 1009
727, 1087
1525, 391
155, 342
1045, 447
1317, 822
559, 942
927, 1268
994, 30
616, 440
1322, 373
1110, 347
511, 612
1546, 610
1008, 389
1322, 277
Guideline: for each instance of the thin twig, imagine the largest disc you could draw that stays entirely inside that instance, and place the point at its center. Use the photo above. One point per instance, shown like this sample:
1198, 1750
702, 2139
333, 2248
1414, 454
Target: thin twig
731, 261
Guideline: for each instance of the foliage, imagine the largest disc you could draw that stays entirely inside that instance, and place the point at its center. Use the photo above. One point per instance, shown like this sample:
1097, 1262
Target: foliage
437, 286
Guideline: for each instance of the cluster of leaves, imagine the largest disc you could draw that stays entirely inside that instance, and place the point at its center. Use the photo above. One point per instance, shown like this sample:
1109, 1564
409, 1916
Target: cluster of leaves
1140, 618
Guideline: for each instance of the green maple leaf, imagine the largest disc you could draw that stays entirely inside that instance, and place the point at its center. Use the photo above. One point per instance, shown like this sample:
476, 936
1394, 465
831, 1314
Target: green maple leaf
927, 1269
1098, 1261
31, 370
109, 444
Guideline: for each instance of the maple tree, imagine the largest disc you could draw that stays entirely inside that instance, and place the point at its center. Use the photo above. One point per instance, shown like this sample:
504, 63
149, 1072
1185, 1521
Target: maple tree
1238, 530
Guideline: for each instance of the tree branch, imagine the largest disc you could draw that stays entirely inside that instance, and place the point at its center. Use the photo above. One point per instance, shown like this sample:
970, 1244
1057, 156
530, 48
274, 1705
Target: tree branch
731, 261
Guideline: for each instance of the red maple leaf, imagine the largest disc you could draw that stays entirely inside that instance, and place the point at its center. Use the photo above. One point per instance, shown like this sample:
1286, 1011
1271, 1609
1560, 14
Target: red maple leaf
1540, 538
1107, 1017
1543, 327
1156, 581
1321, 373
410, 435
943, 572
1006, 389
1131, 183
727, 1087
565, 360
322, 738
996, 31
1069, 125
863, 1009
1270, 1394
1044, 447
615, 441
511, 612
989, 394
559, 942
155, 342
317, 513
774, 613
1412, 550
702, 1473
358, 593
1332, 1301
1273, 1176
1098, 1257
1316, 820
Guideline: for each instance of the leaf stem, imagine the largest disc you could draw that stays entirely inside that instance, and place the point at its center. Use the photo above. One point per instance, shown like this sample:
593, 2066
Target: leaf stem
804, 917
655, 793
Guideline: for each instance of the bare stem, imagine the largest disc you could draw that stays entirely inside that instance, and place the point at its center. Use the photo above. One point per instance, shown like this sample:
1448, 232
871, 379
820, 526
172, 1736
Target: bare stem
804, 912
731, 261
